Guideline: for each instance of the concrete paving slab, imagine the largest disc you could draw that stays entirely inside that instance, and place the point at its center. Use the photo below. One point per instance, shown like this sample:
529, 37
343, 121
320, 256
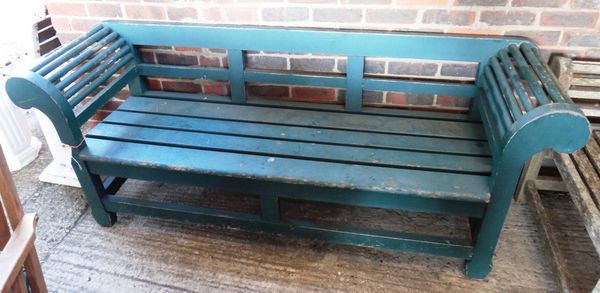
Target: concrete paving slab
177, 256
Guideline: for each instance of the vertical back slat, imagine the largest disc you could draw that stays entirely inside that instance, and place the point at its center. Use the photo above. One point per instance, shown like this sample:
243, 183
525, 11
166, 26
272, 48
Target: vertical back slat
541, 72
95, 73
515, 80
67, 80
494, 111
354, 80
62, 49
101, 79
81, 57
496, 96
235, 59
73, 51
490, 126
529, 75
506, 91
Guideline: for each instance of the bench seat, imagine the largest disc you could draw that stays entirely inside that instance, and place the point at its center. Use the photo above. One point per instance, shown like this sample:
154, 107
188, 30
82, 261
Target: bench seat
336, 149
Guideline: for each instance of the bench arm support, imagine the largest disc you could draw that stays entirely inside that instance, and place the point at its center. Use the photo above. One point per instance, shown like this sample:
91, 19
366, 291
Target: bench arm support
524, 110
60, 84
30, 90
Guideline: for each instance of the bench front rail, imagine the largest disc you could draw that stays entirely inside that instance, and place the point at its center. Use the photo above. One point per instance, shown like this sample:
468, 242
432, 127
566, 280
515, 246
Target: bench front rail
451, 164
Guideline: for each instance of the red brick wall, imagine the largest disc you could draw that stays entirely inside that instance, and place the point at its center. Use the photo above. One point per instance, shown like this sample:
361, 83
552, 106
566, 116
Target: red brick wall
568, 27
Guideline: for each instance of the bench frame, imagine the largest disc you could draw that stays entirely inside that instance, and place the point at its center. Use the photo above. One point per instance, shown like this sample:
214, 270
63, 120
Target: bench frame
514, 134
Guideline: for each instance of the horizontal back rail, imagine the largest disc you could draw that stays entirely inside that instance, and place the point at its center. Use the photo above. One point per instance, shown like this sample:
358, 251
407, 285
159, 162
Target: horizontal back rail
343, 42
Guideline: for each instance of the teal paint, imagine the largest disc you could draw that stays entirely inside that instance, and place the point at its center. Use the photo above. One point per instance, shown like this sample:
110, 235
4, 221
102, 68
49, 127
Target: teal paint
235, 59
354, 82
451, 164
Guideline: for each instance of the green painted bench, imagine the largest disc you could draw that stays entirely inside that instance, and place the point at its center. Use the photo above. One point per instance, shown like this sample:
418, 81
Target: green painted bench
463, 165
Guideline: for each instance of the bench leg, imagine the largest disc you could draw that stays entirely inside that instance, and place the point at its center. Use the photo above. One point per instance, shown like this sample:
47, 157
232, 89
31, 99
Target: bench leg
530, 172
94, 192
269, 207
490, 226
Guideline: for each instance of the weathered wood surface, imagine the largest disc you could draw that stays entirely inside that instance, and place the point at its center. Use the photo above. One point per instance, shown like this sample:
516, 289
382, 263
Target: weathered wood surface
302, 134
580, 259
583, 181
548, 234
293, 171
294, 143
293, 149
307, 118
582, 80
582, 175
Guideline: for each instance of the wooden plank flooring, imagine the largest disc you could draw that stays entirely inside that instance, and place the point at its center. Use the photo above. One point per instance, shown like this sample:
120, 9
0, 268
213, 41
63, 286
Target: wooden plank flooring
581, 262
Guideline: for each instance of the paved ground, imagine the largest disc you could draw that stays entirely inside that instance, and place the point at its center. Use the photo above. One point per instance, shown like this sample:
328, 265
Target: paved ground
143, 254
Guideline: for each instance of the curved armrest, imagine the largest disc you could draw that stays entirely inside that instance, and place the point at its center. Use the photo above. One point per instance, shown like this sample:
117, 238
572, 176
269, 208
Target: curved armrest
561, 127
524, 110
30, 90
61, 82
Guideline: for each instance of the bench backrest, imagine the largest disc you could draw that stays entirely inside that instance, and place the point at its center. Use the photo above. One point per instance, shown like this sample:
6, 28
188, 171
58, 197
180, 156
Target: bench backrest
354, 45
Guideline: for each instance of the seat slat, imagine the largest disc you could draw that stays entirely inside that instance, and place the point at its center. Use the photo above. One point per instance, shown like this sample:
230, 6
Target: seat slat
472, 188
301, 150
588, 174
303, 134
366, 110
347, 121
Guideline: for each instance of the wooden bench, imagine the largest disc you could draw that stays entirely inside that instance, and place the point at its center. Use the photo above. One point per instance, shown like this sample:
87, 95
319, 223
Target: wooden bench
581, 80
463, 165
580, 171
18, 257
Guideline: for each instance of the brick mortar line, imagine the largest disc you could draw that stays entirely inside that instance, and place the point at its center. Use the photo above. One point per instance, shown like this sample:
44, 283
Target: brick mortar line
312, 6
544, 47
477, 24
